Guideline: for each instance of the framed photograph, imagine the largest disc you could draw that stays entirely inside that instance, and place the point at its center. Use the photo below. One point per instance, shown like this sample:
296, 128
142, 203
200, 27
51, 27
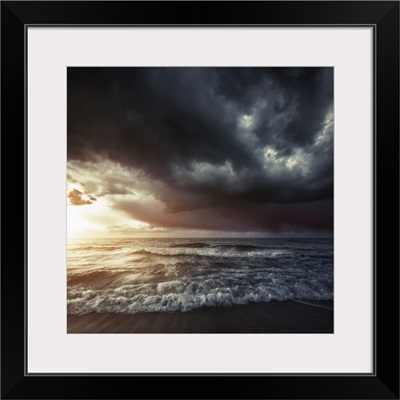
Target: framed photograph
210, 196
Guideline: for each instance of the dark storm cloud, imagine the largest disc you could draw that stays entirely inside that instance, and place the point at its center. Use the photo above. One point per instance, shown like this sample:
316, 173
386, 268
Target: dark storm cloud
238, 217
150, 118
246, 147
303, 98
300, 96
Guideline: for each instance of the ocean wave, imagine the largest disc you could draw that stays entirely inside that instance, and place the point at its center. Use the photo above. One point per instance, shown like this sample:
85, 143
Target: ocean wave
96, 277
91, 248
177, 295
240, 247
143, 252
236, 251
196, 267
166, 275
192, 245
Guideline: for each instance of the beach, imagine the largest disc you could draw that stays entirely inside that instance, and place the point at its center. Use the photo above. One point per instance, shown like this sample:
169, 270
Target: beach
271, 317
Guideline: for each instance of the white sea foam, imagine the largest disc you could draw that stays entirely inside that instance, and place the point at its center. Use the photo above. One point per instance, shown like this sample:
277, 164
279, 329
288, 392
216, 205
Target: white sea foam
231, 252
185, 294
180, 275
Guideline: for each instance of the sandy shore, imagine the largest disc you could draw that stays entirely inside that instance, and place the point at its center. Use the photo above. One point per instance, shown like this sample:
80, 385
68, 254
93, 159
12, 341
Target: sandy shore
273, 317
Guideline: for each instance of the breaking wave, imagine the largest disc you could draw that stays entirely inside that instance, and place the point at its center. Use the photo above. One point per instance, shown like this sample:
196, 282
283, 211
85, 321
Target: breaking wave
169, 275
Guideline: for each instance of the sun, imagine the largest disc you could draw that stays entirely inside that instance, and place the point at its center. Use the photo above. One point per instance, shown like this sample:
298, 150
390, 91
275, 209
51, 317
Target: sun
77, 225
98, 220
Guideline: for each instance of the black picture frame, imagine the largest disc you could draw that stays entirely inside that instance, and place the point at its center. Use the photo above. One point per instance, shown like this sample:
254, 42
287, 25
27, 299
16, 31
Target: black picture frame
383, 383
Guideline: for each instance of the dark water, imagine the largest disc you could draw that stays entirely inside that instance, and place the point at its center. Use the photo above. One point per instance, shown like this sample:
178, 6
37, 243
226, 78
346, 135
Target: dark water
164, 275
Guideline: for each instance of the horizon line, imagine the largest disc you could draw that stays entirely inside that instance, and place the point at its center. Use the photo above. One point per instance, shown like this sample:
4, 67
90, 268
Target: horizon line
198, 237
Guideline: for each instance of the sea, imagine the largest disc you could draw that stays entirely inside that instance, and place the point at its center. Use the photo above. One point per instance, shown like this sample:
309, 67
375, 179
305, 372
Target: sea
166, 275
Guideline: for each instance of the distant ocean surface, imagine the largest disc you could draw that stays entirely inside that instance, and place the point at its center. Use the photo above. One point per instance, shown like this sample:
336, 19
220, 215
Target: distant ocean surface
164, 275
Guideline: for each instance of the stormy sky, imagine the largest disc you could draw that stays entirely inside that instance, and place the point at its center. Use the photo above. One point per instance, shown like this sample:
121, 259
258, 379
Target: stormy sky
200, 151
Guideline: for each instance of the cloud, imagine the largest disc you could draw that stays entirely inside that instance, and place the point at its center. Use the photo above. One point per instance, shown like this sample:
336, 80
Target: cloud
216, 148
137, 229
76, 198
234, 217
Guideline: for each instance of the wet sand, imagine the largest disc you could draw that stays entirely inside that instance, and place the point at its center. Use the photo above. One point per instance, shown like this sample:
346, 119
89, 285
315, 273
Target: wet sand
272, 317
